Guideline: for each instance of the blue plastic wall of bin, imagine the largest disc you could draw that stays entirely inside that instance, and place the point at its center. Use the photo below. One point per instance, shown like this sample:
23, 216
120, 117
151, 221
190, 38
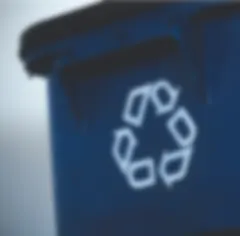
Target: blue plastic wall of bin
92, 195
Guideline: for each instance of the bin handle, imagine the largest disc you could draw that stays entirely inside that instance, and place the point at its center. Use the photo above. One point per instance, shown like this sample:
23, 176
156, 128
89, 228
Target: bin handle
107, 64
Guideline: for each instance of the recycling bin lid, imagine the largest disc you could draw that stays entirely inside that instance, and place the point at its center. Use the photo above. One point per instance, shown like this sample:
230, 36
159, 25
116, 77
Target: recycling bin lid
77, 22
46, 33
95, 16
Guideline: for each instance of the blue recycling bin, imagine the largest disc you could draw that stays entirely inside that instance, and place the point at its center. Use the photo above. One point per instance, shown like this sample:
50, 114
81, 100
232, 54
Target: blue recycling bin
144, 117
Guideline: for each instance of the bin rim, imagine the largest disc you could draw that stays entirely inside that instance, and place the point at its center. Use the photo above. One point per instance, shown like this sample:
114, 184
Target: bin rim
95, 16
78, 21
45, 34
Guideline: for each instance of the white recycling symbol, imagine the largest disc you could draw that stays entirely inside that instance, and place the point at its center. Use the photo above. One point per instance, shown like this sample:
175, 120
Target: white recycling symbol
124, 137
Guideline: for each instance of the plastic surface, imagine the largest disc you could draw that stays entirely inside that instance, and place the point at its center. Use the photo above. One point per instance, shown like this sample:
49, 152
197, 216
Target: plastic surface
145, 129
